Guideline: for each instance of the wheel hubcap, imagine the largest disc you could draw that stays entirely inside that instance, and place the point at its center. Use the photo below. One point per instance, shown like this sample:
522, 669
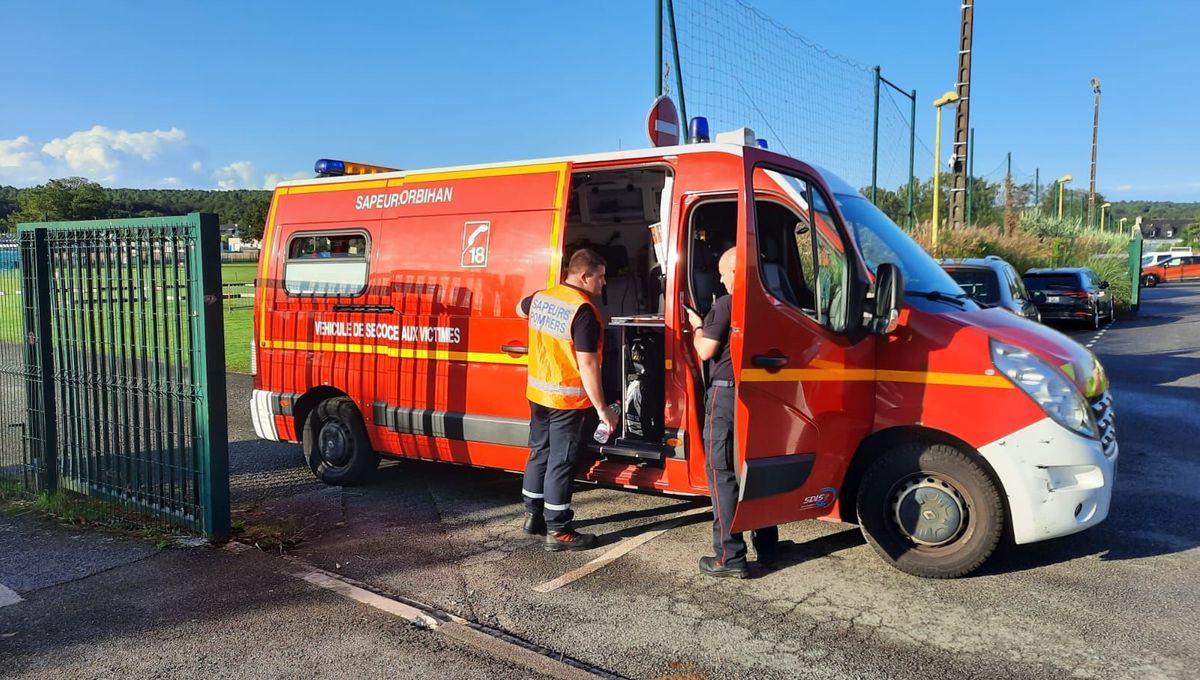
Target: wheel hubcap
929, 511
334, 442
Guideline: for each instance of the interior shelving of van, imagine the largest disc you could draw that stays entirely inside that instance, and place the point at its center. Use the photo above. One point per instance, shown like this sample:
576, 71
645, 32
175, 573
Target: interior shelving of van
618, 214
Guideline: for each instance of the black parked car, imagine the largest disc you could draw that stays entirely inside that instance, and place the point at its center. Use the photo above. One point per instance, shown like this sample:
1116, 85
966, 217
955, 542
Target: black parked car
992, 282
1072, 293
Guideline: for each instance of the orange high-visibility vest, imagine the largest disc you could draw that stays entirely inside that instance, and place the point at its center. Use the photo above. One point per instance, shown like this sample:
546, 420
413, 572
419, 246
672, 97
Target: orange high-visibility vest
554, 378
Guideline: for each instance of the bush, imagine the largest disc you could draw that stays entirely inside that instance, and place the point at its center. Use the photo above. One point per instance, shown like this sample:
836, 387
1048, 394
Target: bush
1041, 241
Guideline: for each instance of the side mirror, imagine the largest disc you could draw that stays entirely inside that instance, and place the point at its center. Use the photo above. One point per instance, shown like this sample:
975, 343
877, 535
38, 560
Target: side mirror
889, 297
1038, 297
1103, 285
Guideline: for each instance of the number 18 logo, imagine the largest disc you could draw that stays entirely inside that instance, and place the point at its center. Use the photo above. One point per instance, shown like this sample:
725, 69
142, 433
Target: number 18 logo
476, 238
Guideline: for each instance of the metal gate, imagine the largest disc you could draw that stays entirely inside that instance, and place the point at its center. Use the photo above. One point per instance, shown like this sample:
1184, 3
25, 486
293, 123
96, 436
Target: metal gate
115, 376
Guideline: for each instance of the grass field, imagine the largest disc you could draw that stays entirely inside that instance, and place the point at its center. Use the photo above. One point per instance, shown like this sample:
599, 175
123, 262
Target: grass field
237, 312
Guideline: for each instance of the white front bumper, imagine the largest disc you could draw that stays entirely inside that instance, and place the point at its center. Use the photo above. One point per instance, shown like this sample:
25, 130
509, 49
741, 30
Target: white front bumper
1056, 481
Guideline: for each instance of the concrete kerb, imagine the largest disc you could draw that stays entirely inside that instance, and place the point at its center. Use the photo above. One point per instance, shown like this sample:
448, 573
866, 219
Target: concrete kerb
495, 643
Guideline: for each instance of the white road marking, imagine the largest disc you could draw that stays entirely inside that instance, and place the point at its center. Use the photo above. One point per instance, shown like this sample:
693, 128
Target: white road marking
611, 556
8, 596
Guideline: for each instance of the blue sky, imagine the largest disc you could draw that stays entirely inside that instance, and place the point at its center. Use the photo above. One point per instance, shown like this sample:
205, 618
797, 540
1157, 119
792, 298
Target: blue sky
243, 94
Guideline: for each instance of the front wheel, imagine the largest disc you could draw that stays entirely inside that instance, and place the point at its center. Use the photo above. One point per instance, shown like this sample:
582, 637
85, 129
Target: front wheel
1149, 280
336, 445
930, 510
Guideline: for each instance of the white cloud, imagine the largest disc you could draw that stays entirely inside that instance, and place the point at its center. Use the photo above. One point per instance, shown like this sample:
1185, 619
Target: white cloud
274, 178
197, 167
236, 175
169, 181
1123, 187
98, 150
12, 153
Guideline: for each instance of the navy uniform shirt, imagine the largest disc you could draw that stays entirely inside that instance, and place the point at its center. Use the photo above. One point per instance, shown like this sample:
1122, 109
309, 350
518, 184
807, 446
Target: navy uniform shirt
716, 327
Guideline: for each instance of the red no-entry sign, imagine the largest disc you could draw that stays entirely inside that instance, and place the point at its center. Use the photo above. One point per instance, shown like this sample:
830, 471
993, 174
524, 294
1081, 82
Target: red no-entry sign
662, 124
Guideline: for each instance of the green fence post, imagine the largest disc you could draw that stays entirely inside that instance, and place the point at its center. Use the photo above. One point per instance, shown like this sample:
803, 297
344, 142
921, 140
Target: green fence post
41, 354
875, 142
208, 372
1135, 270
912, 156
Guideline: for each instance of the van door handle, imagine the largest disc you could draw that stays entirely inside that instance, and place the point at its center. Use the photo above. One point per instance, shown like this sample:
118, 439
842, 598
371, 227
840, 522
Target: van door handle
769, 360
515, 349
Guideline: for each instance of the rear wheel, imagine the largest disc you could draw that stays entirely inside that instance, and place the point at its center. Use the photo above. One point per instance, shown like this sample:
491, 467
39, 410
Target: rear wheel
930, 510
1149, 280
336, 445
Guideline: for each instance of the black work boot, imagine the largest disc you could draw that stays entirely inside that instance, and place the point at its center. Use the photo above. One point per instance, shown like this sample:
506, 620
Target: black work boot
710, 566
534, 525
569, 539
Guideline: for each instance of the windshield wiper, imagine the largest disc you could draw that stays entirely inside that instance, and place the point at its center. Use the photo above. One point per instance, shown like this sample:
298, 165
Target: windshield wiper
938, 296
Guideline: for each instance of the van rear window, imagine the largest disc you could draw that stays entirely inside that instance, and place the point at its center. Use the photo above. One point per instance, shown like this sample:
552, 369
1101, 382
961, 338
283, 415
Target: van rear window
326, 264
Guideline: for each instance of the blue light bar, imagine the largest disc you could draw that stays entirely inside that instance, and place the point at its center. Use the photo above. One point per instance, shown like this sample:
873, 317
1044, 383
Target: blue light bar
698, 130
762, 143
330, 168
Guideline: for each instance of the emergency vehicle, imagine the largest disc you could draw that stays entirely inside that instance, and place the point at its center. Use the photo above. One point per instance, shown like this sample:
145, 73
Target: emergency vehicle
870, 388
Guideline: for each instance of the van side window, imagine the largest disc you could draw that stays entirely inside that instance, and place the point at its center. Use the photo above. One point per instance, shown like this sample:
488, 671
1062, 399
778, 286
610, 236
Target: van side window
332, 264
801, 260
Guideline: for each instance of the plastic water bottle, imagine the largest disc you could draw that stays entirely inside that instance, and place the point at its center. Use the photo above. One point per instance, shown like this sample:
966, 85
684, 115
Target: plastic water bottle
602, 433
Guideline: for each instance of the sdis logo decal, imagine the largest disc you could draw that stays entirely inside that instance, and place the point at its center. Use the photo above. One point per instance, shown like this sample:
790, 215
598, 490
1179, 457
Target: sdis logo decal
821, 499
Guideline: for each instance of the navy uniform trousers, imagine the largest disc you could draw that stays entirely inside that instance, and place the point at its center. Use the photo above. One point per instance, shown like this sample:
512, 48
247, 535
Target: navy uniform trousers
729, 548
554, 436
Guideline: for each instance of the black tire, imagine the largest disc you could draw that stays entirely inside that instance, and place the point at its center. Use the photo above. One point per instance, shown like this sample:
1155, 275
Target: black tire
888, 497
336, 445
1096, 317
1149, 280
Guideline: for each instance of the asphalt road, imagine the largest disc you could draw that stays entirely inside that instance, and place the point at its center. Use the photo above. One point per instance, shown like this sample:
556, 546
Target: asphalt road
1117, 601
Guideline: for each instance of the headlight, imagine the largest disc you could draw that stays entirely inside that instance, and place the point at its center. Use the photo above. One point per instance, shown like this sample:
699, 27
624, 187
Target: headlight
1047, 386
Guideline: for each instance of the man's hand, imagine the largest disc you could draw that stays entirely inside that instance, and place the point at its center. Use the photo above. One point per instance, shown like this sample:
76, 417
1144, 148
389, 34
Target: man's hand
608, 418
694, 320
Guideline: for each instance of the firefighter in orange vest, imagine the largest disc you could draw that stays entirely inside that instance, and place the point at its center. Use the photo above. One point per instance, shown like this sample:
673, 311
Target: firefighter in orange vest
566, 338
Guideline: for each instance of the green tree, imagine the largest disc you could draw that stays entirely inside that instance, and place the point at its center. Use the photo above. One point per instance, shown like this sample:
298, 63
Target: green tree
70, 198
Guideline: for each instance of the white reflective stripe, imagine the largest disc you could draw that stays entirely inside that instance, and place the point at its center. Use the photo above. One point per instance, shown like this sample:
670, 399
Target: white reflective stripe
531, 494
664, 126
552, 506
557, 389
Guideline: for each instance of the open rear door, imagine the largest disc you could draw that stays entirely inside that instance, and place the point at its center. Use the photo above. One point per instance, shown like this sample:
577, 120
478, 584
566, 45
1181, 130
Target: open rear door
804, 390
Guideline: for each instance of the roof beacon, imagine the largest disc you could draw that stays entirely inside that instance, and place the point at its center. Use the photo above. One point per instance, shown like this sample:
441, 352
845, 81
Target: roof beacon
743, 136
762, 143
327, 167
698, 130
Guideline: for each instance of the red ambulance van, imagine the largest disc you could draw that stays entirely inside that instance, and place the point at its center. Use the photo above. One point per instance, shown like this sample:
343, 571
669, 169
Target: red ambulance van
870, 389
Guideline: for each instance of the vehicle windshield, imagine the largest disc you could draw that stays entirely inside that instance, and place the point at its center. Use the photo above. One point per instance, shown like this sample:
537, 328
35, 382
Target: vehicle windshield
978, 282
1052, 282
882, 241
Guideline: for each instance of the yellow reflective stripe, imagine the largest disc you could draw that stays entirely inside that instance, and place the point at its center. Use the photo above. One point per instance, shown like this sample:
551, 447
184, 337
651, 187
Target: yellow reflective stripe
398, 352
1069, 370
337, 186
556, 226
265, 256
863, 374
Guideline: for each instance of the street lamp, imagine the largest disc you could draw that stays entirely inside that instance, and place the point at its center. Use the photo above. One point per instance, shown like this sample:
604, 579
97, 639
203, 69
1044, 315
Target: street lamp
947, 98
1062, 181
1103, 207
1121, 224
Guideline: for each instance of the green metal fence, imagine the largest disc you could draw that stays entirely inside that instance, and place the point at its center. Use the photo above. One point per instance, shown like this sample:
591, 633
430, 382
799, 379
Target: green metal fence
121, 365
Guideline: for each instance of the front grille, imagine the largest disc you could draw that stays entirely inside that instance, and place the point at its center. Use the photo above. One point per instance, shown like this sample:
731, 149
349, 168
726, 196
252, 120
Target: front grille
1106, 421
